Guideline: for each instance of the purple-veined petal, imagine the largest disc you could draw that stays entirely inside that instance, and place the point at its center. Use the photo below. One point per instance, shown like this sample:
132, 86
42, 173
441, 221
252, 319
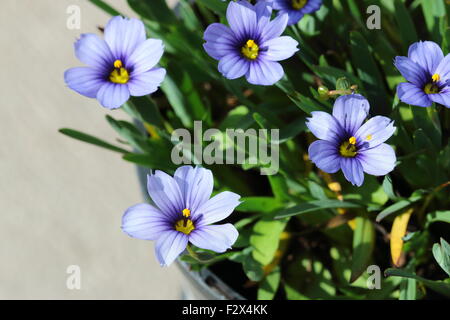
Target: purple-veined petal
113, 95
169, 246
442, 98
217, 238
427, 54
280, 48
311, 6
84, 80
374, 132
263, 11
353, 170
443, 69
274, 28
413, 95
242, 20
165, 193
411, 71
94, 52
146, 82
378, 161
350, 111
220, 40
217, 208
233, 66
325, 127
324, 155
196, 185
145, 222
264, 72
145, 56
124, 35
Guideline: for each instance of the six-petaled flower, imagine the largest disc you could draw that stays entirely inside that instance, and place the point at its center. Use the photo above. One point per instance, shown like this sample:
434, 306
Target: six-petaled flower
348, 144
121, 65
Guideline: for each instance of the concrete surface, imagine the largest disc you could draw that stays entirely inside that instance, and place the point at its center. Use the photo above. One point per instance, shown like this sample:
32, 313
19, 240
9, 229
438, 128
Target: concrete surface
61, 200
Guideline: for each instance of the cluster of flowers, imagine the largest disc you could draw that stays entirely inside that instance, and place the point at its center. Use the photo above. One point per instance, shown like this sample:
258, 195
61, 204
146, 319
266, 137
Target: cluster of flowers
124, 64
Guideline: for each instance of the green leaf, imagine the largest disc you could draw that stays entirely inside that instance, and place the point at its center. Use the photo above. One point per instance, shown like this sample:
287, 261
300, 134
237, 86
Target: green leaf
408, 289
388, 188
314, 206
435, 285
432, 11
252, 268
91, 139
405, 24
269, 286
265, 239
363, 245
154, 10
144, 109
219, 7
442, 255
106, 7
259, 204
152, 161
392, 209
443, 216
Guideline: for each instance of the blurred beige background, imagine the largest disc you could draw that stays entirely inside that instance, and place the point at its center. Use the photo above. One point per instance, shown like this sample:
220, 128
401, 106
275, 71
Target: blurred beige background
61, 200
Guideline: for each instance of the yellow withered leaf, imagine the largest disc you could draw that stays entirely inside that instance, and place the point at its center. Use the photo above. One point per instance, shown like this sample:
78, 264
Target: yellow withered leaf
398, 231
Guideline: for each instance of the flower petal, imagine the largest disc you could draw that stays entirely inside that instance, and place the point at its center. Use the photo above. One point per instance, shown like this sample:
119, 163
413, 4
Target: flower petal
113, 95
411, 94
280, 48
324, 155
220, 40
411, 71
165, 193
217, 208
274, 28
145, 222
124, 35
427, 54
84, 80
169, 246
94, 52
353, 170
325, 127
378, 161
217, 238
147, 82
242, 20
264, 72
233, 66
145, 56
442, 98
351, 110
196, 185
443, 69
374, 132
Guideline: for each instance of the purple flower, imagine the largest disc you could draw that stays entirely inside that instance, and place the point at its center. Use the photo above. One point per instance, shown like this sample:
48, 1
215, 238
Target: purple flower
252, 44
428, 74
348, 144
183, 213
121, 65
296, 9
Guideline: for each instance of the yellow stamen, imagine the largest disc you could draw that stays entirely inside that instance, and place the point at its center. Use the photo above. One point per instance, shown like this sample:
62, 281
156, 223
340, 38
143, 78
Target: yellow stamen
369, 137
436, 77
186, 213
250, 50
347, 149
184, 225
119, 76
299, 4
431, 88
117, 64
352, 140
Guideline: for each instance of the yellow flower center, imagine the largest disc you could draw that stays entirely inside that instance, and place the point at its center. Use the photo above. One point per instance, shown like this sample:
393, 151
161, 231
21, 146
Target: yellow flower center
348, 148
431, 88
119, 74
299, 4
184, 225
250, 50
436, 77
